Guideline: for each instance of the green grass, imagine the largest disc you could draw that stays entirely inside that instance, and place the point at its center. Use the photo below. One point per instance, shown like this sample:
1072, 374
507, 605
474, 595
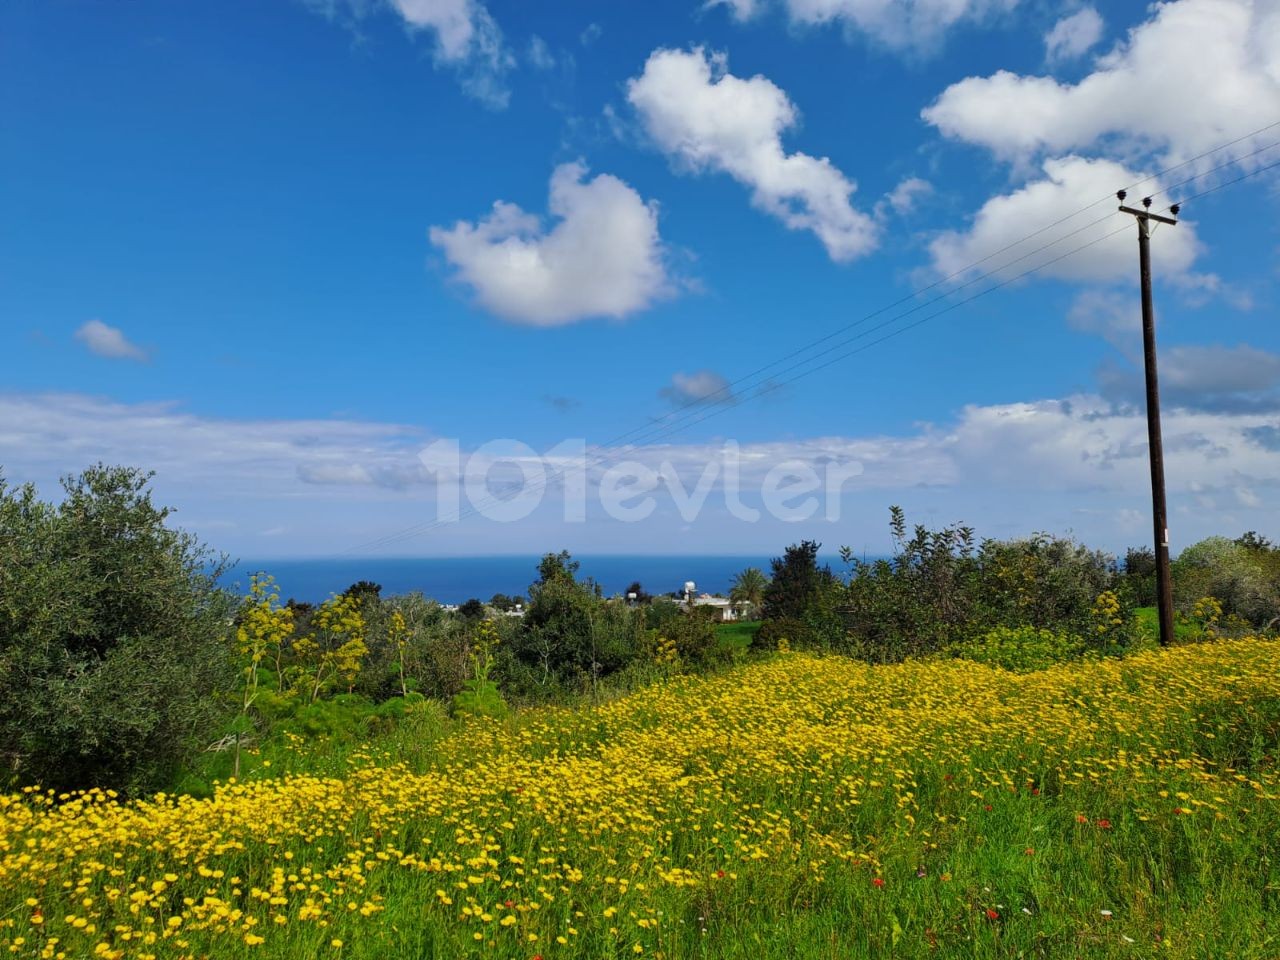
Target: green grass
1148, 623
737, 636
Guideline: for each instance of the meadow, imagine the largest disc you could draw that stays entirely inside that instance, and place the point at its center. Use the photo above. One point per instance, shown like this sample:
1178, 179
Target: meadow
799, 806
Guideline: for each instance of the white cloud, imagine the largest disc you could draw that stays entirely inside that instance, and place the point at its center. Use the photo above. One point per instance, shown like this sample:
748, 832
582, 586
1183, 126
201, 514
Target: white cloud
540, 54
51, 434
1006, 219
467, 38
705, 118
1076, 463
1199, 73
108, 341
703, 386
917, 25
904, 198
603, 258
1073, 36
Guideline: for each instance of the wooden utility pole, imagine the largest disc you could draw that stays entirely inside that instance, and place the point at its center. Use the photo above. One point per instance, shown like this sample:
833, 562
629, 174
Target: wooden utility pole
1159, 513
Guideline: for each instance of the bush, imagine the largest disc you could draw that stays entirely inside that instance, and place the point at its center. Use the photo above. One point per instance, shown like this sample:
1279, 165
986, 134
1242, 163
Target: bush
479, 698
435, 653
1242, 575
694, 634
114, 639
1043, 581
781, 635
939, 589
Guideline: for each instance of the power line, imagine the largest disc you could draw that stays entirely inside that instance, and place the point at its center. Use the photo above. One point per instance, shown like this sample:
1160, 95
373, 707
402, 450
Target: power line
429, 525
1220, 186
668, 430
666, 427
728, 388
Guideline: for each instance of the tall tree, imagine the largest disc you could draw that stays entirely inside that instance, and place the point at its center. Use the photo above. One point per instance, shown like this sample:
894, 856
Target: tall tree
797, 580
749, 587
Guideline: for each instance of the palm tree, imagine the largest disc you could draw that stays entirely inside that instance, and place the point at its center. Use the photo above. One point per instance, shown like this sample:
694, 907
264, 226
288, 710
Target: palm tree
748, 588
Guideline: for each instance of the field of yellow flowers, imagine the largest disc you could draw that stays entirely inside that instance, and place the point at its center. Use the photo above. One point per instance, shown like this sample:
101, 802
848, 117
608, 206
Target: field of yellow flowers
800, 807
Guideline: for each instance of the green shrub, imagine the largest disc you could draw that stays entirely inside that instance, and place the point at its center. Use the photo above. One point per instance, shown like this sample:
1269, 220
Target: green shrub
780, 635
942, 587
1244, 577
479, 698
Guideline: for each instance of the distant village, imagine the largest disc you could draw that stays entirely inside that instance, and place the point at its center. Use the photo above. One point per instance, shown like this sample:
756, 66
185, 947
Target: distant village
727, 610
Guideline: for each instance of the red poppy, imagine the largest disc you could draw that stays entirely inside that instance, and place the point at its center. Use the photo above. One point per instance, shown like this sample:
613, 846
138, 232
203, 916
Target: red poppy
992, 914
1081, 818
878, 881
508, 904
1035, 791
986, 806
720, 874
1104, 824
1030, 851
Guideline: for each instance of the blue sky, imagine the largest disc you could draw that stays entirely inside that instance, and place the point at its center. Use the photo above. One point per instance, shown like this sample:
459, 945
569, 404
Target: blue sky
254, 247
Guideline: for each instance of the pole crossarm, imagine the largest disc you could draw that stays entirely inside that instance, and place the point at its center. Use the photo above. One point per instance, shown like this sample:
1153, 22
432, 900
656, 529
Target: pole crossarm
1147, 215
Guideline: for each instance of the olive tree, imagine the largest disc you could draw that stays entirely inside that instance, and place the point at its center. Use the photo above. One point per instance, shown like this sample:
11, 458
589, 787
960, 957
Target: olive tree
114, 636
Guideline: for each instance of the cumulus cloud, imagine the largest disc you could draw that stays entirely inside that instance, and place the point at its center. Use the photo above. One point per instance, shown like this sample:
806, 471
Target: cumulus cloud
1195, 75
602, 258
705, 118
704, 386
108, 341
1073, 36
917, 25
1006, 219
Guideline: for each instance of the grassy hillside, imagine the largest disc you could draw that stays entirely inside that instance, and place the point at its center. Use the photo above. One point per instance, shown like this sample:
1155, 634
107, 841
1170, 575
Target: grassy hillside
801, 807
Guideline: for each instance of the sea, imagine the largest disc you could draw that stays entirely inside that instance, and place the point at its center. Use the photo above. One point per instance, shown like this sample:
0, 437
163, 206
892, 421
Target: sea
457, 579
